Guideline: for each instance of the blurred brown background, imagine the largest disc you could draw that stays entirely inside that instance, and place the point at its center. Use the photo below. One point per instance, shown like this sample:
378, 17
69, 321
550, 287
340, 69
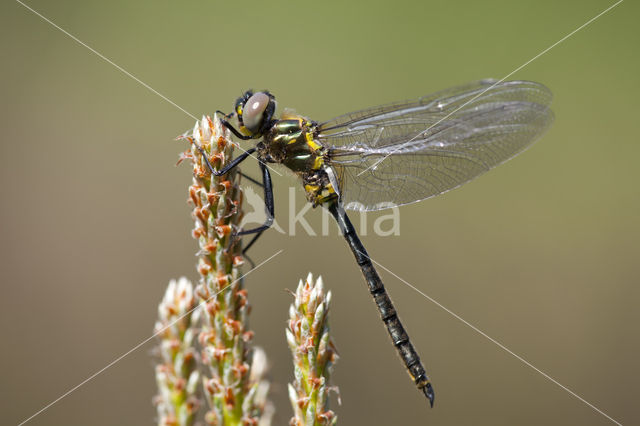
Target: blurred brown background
541, 254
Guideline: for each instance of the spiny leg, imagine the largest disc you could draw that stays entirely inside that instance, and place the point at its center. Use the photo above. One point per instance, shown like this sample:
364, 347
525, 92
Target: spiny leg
252, 242
229, 166
228, 125
225, 116
266, 184
255, 237
252, 180
268, 201
239, 135
245, 249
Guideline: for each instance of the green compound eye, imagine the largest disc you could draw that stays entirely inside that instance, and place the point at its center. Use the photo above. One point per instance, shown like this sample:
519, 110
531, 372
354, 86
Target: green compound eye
253, 111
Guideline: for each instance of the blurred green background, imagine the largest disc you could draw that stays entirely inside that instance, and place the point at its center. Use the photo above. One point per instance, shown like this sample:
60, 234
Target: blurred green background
542, 254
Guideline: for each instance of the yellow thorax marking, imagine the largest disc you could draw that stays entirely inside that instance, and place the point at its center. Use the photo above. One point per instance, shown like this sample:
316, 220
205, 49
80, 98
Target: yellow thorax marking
318, 163
311, 188
311, 142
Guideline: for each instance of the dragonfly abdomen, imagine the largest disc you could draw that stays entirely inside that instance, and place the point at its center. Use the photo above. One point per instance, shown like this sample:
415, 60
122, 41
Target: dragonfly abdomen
388, 313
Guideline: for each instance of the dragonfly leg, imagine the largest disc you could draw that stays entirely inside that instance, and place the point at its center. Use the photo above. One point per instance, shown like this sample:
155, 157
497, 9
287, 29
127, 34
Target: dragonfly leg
252, 242
229, 166
225, 116
256, 236
268, 201
248, 246
239, 135
268, 193
250, 179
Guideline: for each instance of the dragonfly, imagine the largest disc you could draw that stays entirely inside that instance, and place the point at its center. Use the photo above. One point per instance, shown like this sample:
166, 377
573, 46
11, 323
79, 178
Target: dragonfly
387, 156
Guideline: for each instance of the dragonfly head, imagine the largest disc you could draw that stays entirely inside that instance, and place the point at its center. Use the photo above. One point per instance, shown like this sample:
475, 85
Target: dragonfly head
255, 112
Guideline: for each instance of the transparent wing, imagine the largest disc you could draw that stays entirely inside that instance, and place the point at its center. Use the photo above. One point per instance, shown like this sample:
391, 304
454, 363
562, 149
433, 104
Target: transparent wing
406, 152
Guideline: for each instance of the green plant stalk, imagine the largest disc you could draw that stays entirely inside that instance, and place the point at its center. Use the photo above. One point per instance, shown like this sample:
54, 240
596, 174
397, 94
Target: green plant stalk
177, 375
235, 389
313, 355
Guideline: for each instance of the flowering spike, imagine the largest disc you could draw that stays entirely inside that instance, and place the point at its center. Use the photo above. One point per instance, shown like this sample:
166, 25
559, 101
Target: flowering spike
235, 388
177, 375
313, 355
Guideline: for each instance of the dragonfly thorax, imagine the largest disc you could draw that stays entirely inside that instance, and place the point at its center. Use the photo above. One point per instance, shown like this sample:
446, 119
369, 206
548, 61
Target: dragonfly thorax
291, 141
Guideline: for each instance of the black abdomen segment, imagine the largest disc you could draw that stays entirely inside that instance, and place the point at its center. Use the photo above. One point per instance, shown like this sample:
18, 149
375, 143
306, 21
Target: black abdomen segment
396, 330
